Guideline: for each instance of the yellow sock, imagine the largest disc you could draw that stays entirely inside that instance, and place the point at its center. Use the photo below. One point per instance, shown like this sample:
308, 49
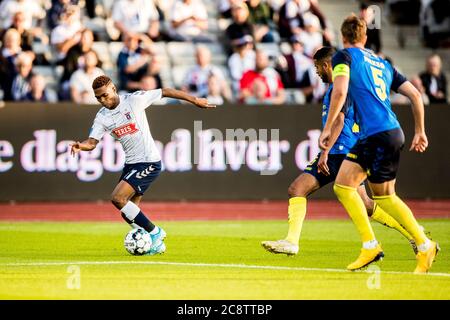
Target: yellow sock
354, 206
297, 213
380, 216
401, 212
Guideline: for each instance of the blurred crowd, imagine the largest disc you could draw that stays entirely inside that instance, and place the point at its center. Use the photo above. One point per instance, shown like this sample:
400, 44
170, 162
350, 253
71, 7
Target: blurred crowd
267, 45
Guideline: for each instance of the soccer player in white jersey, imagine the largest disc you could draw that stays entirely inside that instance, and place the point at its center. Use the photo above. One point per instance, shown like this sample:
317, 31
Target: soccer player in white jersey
124, 118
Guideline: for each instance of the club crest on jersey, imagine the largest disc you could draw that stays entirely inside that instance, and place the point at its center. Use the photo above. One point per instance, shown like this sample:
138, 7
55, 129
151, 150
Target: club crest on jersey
127, 115
129, 128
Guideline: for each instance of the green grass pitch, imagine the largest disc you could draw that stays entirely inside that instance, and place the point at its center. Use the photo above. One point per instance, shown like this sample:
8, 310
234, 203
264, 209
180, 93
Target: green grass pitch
212, 260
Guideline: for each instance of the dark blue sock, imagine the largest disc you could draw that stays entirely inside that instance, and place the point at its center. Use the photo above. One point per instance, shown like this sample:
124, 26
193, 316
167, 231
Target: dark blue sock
141, 220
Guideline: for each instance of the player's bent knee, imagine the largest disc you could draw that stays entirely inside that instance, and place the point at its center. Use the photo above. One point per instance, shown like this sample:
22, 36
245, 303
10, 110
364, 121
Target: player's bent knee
118, 201
295, 191
342, 192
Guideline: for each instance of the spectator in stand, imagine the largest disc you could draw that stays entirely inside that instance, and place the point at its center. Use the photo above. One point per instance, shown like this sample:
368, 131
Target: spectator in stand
9, 52
435, 23
260, 17
311, 37
38, 91
136, 16
417, 82
149, 82
72, 62
55, 11
239, 26
434, 80
153, 71
189, 21
27, 35
373, 34
21, 82
258, 93
398, 98
196, 79
68, 33
31, 9
224, 7
290, 21
242, 26
274, 92
242, 60
81, 80
297, 69
136, 60
217, 93
260, 12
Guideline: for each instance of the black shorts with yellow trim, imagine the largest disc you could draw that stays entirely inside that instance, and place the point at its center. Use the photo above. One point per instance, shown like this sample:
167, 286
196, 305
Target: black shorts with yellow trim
334, 163
379, 154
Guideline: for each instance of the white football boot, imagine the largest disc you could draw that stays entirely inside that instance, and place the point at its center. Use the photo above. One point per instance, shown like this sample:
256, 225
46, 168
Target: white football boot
280, 246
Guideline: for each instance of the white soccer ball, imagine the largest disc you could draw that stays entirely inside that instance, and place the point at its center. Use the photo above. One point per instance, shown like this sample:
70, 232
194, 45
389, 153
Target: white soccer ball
138, 242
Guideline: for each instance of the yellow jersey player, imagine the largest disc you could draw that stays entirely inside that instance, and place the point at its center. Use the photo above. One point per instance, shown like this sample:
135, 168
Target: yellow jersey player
368, 80
324, 168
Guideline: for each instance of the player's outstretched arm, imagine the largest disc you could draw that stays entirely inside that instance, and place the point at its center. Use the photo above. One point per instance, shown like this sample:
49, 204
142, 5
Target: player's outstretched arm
86, 145
338, 96
180, 95
420, 141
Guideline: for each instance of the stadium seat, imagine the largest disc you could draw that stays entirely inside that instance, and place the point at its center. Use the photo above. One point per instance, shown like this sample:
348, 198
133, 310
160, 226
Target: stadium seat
159, 48
285, 48
114, 50
178, 74
46, 72
102, 50
181, 53
271, 49
218, 55
44, 49
51, 79
161, 52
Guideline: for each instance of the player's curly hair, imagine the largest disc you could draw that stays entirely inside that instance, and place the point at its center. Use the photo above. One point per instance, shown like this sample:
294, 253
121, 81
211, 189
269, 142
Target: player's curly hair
100, 81
353, 29
324, 53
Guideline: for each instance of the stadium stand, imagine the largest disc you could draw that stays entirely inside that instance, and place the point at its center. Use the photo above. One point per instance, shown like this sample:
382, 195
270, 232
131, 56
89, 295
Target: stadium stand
174, 58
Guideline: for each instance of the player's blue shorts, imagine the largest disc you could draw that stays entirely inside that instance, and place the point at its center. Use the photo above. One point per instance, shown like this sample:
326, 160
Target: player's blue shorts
379, 154
334, 163
141, 175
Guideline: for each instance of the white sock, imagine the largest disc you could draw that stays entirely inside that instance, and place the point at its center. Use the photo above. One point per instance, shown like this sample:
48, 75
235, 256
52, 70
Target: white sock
370, 244
424, 246
130, 210
155, 231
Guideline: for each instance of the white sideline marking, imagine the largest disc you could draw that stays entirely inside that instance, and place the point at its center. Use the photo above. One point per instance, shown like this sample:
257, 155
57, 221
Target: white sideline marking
220, 265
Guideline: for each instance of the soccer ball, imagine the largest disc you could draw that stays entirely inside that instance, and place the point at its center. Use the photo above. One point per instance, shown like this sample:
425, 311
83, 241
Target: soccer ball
138, 242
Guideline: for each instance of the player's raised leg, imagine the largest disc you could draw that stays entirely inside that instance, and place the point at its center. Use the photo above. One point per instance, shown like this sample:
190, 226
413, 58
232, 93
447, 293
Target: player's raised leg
303, 185
376, 213
130, 212
384, 195
347, 181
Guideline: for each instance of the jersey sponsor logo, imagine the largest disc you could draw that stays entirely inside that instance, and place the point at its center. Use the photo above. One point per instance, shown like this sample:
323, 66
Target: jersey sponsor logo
124, 130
